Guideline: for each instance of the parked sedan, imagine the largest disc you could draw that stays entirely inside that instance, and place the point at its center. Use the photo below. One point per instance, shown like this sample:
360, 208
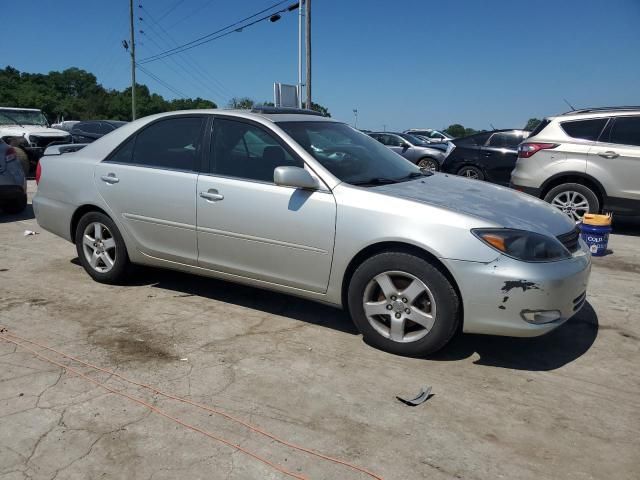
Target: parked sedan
432, 136
489, 156
412, 148
87, 132
306, 205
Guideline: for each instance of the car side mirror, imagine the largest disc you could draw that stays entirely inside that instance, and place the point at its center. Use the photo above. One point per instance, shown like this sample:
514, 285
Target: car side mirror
405, 147
295, 177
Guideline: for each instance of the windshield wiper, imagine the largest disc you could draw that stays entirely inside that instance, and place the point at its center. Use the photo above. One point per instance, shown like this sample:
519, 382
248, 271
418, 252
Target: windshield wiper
375, 181
387, 181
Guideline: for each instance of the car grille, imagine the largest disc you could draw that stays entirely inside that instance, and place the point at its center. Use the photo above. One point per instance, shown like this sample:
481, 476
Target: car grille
578, 302
43, 142
570, 240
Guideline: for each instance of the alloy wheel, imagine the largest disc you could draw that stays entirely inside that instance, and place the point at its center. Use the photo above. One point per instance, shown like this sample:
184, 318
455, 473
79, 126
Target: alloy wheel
99, 247
399, 306
427, 164
571, 203
470, 173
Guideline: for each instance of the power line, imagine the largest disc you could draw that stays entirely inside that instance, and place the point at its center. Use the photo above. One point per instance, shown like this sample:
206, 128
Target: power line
184, 72
162, 82
205, 78
191, 14
171, 9
214, 35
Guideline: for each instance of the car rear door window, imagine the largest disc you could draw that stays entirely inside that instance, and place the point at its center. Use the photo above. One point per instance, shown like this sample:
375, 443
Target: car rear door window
504, 140
174, 143
584, 129
91, 127
479, 139
243, 150
625, 131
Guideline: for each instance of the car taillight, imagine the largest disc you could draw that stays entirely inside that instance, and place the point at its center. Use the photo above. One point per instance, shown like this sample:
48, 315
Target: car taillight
526, 150
10, 155
38, 172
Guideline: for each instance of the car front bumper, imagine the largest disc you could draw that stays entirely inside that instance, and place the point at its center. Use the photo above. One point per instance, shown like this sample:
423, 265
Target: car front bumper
499, 296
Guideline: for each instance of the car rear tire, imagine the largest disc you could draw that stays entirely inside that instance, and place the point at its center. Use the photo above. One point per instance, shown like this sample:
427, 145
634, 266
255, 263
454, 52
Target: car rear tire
472, 172
101, 249
17, 205
22, 156
402, 304
574, 199
428, 163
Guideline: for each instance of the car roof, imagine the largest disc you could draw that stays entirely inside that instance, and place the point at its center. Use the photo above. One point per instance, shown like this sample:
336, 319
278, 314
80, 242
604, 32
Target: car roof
21, 109
272, 115
113, 122
597, 112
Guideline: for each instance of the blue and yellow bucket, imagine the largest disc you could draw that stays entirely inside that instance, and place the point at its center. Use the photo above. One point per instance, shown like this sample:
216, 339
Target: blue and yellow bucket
595, 230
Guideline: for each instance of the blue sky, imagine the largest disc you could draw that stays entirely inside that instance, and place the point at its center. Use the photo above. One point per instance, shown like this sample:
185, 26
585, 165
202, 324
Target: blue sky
416, 63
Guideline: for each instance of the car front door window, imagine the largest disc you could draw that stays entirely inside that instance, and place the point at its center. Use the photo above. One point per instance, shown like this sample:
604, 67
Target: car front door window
245, 151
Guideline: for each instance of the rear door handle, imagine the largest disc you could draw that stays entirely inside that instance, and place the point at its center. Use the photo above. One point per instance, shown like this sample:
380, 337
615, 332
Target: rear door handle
608, 154
212, 195
110, 179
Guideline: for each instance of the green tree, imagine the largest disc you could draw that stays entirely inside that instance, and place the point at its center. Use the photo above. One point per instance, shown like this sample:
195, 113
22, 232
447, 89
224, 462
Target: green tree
75, 94
241, 103
456, 130
319, 108
532, 123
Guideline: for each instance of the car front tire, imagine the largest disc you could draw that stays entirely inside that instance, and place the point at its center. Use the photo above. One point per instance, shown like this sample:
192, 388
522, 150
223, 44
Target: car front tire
428, 164
101, 249
403, 304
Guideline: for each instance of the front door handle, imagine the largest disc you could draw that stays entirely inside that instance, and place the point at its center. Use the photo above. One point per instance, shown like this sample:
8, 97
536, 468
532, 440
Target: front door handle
608, 154
110, 178
212, 195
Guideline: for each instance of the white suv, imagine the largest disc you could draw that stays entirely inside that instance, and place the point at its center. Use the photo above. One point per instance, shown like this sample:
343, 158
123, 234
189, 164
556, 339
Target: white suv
584, 161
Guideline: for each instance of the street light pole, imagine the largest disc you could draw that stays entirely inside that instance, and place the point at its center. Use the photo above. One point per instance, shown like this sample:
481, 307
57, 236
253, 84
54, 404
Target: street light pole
308, 51
133, 62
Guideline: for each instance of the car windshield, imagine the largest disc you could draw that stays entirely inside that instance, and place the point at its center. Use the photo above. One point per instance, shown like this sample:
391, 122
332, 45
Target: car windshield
22, 117
351, 155
413, 139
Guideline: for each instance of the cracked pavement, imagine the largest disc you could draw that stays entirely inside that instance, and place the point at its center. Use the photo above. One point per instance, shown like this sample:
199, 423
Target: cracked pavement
561, 406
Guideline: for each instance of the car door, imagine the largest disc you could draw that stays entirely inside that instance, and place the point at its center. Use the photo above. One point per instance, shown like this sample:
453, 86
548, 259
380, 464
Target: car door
250, 227
149, 184
614, 160
499, 155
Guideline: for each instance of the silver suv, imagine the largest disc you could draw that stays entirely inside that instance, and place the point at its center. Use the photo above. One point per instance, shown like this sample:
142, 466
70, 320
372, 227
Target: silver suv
584, 161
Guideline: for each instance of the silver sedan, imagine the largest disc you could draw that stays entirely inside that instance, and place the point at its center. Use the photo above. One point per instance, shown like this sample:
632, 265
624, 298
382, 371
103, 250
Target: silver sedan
308, 206
417, 151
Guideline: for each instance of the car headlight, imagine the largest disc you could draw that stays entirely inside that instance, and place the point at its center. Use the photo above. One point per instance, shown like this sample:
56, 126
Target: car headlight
523, 245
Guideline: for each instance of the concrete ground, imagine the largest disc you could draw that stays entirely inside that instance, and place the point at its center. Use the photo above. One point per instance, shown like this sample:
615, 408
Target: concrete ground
563, 406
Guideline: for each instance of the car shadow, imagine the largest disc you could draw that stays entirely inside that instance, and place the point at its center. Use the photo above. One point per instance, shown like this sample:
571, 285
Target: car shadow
626, 226
548, 352
26, 214
186, 285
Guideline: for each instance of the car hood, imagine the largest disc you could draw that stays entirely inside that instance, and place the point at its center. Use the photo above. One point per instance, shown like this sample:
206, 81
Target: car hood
498, 205
18, 131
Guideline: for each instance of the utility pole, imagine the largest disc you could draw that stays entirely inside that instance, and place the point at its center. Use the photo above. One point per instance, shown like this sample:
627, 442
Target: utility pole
133, 62
300, 15
308, 50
